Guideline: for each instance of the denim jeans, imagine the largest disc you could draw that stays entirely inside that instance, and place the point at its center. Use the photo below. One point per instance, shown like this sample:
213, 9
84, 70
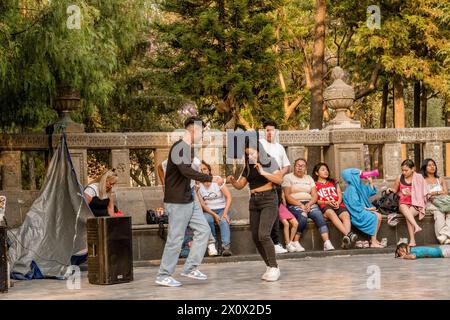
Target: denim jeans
315, 214
263, 214
223, 226
181, 216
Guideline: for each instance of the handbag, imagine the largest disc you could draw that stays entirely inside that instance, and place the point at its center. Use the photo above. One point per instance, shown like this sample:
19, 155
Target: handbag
441, 202
388, 202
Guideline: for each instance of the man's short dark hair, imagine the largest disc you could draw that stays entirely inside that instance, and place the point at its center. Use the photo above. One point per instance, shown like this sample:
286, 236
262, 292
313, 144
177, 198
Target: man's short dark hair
270, 123
193, 120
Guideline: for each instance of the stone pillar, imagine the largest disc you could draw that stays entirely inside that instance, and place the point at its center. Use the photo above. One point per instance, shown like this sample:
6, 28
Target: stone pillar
342, 156
392, 160
120, 160
79, 160
10, 162
160, 155
295, 152
435, 151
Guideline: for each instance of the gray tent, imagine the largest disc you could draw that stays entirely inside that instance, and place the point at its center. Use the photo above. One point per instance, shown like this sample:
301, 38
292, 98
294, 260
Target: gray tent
55, 227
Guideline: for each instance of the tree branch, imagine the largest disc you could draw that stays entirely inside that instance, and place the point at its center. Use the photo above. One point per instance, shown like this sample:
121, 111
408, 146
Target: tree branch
372, 85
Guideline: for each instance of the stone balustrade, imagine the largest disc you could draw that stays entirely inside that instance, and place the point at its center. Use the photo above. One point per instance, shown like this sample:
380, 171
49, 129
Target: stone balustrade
342, 148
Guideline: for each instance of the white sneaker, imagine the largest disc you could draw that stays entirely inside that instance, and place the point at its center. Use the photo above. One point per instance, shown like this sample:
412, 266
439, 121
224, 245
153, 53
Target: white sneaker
327, 246
212, 251
280, 249
263, 277
273, 274
298, 246
291, 247
442, 239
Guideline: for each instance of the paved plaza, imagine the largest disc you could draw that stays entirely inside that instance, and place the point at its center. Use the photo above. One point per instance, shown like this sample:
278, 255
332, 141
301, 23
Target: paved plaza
336, 277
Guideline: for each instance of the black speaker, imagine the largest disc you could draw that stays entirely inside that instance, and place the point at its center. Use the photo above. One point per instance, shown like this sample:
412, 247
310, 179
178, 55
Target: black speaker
110, 256
3, 261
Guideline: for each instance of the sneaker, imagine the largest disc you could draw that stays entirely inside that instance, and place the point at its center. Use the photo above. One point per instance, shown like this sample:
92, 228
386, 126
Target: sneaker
195, 274
167, 281
291, 247
442, 238
298, 246
447, 241
226, 251
346, 242
280, 249
403, 240
353, 237
273, 274
264, 276
327, 246
212, 251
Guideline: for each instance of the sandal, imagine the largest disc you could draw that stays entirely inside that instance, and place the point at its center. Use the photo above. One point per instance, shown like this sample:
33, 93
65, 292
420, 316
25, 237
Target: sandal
359, 244
366, 244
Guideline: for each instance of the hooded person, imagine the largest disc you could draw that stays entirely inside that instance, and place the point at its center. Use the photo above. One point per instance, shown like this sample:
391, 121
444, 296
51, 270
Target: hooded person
363, 214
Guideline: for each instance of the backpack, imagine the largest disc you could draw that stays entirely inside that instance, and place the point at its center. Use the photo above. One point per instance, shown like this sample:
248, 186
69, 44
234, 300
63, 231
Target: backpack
388, 203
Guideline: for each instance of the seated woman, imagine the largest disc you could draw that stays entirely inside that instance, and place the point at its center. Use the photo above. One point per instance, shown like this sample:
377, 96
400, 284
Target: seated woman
404, 251
330, 202
363, 214
412, 190
99, 194
438, 192
216, 202
301, 197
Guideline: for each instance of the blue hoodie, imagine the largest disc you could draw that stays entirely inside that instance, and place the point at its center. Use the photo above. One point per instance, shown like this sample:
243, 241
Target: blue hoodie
356, 198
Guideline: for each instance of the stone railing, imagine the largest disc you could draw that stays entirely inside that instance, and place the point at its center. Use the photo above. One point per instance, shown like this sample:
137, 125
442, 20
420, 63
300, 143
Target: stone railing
342, 148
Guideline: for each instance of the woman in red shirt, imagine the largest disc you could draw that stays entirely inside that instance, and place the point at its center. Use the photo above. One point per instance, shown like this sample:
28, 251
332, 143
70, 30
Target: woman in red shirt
330, 202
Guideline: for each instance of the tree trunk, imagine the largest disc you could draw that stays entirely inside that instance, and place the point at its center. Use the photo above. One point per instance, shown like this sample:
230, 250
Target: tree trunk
384, 104
399, 108
417, 88
316, 112
424, 105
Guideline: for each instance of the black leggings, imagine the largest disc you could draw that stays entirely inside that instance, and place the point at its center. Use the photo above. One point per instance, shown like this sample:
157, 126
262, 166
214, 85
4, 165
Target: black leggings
263, 214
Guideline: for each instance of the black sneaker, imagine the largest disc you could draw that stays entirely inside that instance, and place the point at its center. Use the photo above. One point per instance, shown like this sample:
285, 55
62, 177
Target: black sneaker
353, 237
346, 242
226, 251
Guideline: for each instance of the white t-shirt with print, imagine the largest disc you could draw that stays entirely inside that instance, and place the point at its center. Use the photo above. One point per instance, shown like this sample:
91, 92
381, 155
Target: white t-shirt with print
300, 187
213, 196
276, 151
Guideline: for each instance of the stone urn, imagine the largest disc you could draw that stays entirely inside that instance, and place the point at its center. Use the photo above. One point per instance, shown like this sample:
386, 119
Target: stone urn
340, 97
66, 101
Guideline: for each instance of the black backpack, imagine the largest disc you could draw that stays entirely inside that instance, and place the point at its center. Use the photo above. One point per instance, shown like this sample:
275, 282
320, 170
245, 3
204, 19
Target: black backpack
387, 203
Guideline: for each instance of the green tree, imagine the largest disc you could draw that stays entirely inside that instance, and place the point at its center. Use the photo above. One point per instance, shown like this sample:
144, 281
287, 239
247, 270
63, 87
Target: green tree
219, 54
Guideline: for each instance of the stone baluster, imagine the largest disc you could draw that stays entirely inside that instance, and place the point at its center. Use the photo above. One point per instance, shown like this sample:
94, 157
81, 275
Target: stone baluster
120, 160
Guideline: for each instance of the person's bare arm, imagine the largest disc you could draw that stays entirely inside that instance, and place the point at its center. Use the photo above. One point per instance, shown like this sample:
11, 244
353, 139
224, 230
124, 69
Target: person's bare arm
237, 184
88, 198
229, 198
111, 207
285, 170
409, 257
396, 186
275, 177
290, 200
444, 186
314, 197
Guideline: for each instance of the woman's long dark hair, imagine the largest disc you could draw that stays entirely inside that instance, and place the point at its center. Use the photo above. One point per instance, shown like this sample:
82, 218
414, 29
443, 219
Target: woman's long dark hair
263, 156
317, 168
423, 168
